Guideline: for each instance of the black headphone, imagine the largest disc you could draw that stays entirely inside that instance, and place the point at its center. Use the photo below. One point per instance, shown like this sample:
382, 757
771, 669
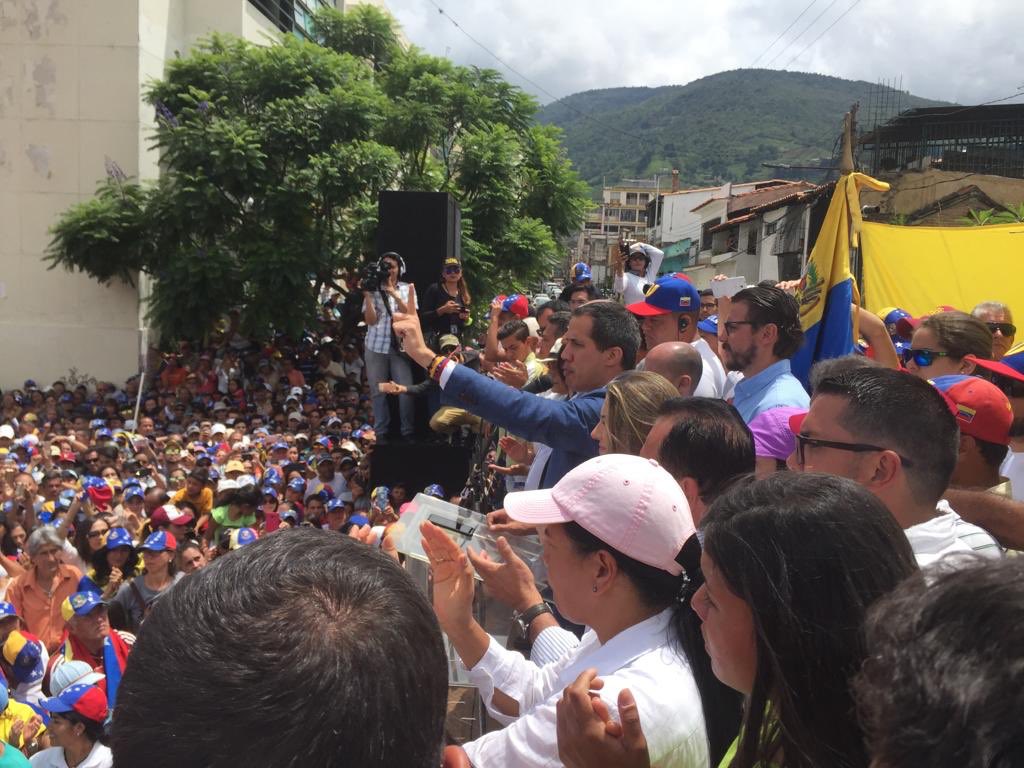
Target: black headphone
684, 321
398, 258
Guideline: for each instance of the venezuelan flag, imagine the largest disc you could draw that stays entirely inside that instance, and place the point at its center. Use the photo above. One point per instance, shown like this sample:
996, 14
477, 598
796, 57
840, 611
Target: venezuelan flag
827, 289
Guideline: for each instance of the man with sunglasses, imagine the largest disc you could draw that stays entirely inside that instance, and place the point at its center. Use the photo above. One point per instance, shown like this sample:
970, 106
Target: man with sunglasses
760, 335
999, 319
896, 435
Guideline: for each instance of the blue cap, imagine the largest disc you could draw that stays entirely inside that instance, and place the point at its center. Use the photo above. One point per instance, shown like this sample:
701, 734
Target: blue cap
272, 475
242, 536
7, 609
297, 484
80, 604
279, 446
97, 423
580, 272
1015, 358
334, 504
160, 541
708, 325
290, 514
434, 490
133, 492
324, 441
104, 432
359, 520
269, 490
668, 294
118, 537
213, 474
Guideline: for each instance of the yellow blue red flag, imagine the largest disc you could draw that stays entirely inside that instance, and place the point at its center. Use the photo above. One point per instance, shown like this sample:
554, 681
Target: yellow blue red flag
828, 290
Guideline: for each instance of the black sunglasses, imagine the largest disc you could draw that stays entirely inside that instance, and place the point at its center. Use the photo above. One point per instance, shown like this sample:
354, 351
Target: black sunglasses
452, 270
802, 441
1007, 329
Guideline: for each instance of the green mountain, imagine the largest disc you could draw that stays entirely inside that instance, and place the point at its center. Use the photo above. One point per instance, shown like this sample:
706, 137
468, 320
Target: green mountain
716, 129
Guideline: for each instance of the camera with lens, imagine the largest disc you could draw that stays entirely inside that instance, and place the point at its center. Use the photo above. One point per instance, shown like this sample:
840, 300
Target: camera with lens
374, 276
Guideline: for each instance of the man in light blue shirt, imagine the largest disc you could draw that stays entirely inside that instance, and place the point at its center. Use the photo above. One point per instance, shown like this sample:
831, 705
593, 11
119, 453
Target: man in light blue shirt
761, 333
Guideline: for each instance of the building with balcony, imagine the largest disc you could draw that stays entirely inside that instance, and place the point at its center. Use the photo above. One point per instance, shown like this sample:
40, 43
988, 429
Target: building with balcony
620, 215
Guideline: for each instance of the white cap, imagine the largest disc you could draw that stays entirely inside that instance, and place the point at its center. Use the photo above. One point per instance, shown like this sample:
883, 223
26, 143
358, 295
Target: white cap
297, 415
631, 504
296, 392
218, 427
226, 484
533, 325
7, 431
70, 672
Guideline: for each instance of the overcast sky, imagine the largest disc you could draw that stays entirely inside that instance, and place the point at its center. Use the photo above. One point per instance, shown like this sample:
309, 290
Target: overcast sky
944, 49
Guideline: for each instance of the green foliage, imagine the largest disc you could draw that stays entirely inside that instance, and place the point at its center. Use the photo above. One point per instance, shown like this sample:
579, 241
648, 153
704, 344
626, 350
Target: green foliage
273, 158
364, 31
1012, 215
1009, 215
719, 128
978, 218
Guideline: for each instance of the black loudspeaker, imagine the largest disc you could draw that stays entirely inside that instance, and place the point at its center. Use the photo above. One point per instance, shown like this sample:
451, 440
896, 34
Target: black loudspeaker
424, 228
419, 465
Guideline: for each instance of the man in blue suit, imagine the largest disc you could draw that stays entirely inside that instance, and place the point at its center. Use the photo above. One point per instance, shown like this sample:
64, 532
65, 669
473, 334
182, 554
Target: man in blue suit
601, 342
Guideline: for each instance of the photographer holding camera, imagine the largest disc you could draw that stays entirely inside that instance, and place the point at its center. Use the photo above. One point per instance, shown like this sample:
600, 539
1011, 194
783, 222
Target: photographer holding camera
636, 268
383, 295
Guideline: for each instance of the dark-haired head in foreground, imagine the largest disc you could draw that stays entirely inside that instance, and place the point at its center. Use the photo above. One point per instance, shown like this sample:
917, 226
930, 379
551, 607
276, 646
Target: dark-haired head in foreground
943, 685
791, 564
305, 648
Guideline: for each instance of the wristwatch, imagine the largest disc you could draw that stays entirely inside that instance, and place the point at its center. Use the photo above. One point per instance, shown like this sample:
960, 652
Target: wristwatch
525, 619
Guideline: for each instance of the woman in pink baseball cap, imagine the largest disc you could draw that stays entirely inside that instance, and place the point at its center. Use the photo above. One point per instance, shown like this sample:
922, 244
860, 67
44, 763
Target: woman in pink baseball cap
623, 559
791, 565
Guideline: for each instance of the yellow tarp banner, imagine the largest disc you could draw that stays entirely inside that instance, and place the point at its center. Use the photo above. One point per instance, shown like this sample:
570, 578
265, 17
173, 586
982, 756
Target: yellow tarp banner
921, 268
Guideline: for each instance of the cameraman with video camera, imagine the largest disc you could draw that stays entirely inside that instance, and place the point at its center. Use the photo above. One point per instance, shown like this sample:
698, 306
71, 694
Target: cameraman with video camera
636, 267
383, 295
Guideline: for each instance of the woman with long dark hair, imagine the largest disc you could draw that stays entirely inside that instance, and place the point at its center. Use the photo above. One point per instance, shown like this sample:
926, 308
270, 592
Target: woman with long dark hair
791, 565
622, 558
159, 574
445, 305
112, 565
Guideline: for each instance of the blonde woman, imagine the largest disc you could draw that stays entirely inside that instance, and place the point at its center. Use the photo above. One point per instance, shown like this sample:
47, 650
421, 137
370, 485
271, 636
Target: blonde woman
629, 411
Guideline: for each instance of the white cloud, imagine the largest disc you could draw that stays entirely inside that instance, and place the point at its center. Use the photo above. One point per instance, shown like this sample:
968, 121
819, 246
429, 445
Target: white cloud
943, 49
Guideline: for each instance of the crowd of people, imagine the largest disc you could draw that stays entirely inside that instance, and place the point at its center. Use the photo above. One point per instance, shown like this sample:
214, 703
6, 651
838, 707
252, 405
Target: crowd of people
740, 568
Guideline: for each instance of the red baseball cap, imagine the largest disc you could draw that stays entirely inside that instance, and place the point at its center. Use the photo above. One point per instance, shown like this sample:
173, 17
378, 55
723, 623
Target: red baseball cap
906, 326
996, 367
982, 410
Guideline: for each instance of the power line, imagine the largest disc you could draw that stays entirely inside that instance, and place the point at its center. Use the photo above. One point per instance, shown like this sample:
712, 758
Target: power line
802, 33
838, 19
1018, 94
560, 100
805, 10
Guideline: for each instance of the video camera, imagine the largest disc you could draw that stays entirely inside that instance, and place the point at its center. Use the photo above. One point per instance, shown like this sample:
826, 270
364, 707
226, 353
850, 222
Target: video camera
374, 275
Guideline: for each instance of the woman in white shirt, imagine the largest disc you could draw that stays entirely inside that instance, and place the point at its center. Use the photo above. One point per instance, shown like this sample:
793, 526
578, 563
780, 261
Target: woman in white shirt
76, 727
636, 271
614, 530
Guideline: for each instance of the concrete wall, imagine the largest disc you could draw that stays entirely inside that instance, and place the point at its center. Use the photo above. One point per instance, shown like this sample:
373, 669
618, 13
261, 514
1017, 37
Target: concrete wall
72, 76
913, 190
69, 74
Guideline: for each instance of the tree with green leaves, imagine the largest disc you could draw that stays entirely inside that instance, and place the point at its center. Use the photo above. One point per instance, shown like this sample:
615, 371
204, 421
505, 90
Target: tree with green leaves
272, 161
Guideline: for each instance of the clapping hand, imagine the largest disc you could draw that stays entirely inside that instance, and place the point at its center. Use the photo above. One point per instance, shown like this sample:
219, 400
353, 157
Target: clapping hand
512, 373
